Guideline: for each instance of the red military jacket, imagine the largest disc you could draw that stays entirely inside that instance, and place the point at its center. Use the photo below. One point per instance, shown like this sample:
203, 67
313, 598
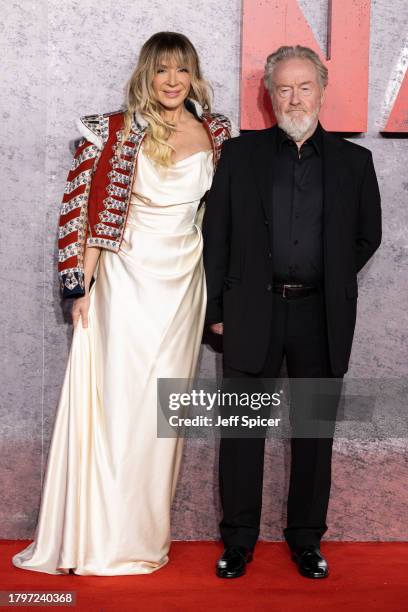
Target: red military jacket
97, 193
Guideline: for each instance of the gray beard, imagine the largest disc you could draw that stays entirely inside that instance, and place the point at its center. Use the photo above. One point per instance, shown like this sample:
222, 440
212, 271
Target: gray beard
296, 129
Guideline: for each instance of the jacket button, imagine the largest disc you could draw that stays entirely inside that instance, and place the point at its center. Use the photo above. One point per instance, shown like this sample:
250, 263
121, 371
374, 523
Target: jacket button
269, 287
269, 254
266, 221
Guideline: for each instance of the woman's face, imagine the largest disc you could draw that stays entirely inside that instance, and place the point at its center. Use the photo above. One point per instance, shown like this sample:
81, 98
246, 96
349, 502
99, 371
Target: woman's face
171, 84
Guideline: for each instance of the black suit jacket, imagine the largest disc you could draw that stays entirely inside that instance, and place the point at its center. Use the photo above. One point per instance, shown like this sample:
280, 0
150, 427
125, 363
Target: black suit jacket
238, 239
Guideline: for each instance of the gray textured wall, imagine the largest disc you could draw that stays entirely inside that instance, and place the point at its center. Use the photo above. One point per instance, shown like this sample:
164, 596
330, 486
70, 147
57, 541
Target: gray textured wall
64, 59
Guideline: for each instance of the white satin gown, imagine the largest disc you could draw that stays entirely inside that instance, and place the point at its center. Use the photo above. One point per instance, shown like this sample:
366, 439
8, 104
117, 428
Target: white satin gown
110, 481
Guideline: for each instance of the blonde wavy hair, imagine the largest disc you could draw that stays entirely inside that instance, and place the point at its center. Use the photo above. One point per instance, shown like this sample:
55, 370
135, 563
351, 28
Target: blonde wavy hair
140, 97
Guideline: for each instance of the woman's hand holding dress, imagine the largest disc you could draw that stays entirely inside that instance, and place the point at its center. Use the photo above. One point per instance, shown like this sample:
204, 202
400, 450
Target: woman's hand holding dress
80, 309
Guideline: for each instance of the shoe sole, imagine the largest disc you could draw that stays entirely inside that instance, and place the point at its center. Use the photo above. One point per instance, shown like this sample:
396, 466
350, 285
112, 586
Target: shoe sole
229, 576
313, 576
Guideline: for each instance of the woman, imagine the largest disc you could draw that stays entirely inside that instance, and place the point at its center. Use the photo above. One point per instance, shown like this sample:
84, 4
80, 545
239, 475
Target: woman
129, 214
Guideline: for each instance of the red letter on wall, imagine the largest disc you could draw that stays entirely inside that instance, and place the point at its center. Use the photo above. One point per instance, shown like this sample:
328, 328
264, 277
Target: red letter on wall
398, 119
268, 24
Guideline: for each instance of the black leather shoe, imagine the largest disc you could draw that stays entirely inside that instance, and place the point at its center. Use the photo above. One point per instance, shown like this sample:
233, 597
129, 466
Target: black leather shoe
233, 562
310, 562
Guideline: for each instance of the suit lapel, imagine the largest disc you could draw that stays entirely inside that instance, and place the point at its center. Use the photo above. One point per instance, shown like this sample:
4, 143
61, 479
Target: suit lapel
263, 164
332, 171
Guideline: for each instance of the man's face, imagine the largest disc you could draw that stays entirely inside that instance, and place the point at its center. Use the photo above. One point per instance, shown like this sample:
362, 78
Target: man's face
296, 96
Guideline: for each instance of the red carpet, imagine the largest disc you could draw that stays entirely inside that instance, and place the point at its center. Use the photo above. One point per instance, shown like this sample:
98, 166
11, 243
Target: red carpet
364, 577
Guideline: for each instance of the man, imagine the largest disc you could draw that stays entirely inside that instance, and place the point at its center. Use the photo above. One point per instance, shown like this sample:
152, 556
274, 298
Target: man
293, 215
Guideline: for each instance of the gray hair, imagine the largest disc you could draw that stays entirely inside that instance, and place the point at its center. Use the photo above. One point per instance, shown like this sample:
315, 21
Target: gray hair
284, 53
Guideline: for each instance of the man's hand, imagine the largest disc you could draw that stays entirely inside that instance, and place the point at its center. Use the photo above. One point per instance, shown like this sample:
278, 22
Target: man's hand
217, 328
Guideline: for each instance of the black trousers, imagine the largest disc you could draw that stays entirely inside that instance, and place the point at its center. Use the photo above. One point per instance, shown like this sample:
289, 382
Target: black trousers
299, 332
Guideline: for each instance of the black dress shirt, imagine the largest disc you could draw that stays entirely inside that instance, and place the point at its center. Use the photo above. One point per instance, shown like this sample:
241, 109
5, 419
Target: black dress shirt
298, 210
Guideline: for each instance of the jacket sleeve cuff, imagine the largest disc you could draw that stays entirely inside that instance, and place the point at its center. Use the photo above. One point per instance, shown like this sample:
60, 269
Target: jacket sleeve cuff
72, 284
214, 312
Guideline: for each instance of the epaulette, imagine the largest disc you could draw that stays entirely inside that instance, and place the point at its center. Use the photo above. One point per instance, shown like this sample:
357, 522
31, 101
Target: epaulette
95, 128
117, 112
227, 123
222, 119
